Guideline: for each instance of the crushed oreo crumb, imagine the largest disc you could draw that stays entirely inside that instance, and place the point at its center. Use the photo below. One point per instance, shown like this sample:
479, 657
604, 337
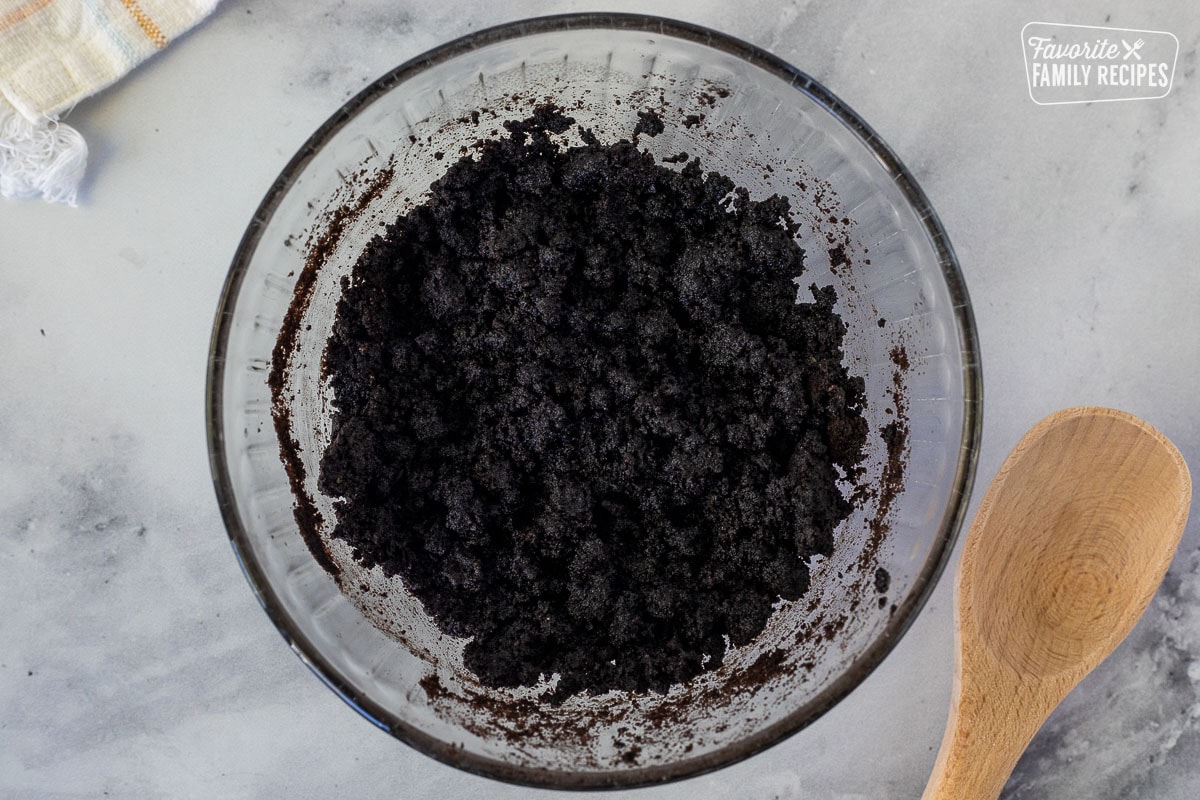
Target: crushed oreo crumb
581, 414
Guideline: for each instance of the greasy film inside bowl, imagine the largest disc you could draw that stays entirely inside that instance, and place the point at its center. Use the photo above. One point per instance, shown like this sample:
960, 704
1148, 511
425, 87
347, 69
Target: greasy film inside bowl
368, 636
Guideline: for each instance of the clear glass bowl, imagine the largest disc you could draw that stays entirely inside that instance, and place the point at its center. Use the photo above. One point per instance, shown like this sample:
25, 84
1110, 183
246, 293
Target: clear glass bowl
773, 130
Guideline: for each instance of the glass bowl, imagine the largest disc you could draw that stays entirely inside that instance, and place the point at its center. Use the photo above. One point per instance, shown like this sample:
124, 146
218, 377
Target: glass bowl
868, 230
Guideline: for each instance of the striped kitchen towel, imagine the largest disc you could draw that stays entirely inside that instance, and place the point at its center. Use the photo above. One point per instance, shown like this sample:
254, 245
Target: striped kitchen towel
54, 53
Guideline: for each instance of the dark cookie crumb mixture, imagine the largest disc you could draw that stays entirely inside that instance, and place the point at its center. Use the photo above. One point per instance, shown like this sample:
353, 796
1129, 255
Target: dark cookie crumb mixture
582, 416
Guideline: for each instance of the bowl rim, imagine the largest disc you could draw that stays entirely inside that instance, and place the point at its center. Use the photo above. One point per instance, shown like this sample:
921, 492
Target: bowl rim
905, 614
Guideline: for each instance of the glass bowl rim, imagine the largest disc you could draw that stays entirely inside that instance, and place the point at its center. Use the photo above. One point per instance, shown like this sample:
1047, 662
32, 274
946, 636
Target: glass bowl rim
900, 621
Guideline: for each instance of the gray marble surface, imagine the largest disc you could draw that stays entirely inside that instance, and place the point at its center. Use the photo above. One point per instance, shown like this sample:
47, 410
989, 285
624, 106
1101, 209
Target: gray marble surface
134, 660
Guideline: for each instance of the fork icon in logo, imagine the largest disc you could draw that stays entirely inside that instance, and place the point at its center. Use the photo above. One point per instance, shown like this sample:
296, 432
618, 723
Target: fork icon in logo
1132, 49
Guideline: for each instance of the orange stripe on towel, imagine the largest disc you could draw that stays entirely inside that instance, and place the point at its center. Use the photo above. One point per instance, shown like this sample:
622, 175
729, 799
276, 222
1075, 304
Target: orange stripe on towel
152, 31
22, 13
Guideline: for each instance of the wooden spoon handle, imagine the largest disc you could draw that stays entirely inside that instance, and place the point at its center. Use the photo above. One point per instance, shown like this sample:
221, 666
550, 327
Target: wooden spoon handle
986, 735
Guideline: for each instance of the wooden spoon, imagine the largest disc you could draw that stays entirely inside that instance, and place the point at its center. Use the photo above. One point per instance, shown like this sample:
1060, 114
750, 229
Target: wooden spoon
1070, 543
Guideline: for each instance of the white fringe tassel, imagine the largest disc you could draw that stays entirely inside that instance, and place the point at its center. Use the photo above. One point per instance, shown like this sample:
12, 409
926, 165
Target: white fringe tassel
43, 159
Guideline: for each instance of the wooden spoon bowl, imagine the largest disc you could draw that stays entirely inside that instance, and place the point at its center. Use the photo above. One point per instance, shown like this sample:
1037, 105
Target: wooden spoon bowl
1070, 543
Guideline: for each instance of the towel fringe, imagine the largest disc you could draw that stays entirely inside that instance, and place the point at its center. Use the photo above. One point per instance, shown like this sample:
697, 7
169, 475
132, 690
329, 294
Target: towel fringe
44, 159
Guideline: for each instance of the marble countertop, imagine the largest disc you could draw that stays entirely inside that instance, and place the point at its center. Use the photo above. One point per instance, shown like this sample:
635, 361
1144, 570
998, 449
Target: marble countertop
134, 659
